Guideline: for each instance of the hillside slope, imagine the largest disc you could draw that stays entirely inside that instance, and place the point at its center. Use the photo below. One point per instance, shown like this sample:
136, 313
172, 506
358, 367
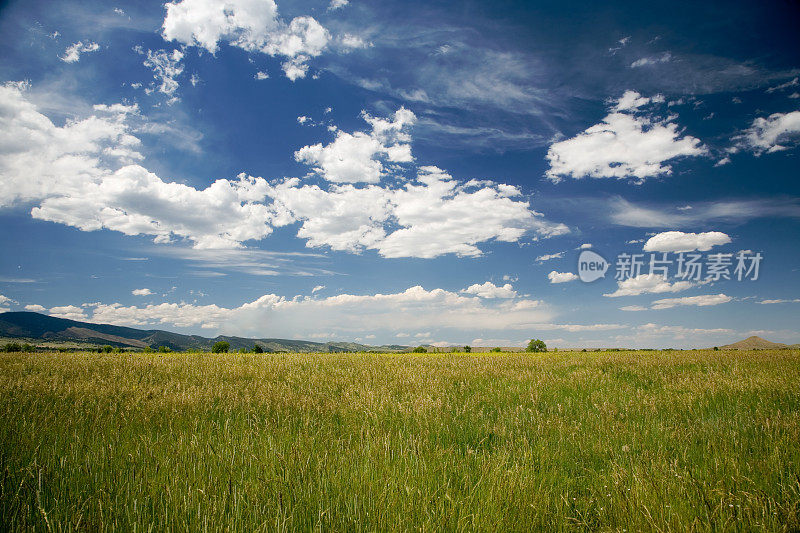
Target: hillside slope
36, 326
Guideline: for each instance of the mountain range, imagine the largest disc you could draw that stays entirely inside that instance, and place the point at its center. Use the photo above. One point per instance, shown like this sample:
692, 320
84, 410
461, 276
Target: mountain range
36, 328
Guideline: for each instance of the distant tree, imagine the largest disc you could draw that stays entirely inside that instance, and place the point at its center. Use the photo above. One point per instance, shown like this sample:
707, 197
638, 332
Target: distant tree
28, 348
495, 350
12, 347
716, 348
242, 350
257, 348
220, 347
536, 345
454, 350
419, 349
147, 349
467, 349
108, 348
164, 349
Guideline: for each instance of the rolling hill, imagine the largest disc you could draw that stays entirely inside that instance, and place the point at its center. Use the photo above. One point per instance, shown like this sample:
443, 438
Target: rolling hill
755, 343
35, 327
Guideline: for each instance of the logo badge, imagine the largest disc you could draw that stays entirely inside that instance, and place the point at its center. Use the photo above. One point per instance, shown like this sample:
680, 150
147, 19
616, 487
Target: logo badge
591, 266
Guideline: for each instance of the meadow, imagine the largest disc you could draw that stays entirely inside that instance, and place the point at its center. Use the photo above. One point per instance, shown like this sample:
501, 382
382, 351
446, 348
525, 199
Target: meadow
566, 441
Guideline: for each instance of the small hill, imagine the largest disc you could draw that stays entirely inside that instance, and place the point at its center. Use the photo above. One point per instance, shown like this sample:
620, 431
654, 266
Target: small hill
37, 328
754, 343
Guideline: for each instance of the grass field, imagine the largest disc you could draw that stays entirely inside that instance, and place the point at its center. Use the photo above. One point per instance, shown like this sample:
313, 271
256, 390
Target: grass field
655, 441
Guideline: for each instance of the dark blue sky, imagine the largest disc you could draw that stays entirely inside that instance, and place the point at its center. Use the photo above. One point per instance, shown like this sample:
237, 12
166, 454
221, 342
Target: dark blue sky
411, 172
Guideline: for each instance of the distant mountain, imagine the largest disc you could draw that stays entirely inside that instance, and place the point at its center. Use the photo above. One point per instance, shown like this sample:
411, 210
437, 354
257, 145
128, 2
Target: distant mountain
38, 327
755, 343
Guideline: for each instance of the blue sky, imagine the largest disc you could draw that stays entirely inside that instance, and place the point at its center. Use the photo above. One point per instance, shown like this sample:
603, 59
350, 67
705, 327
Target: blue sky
415, 172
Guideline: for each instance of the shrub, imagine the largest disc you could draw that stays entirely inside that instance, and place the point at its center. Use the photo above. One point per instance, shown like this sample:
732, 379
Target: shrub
164, 349
467, 349
495, 350
108, 349
419, 349
12, 347
220, 347
242, 350
536, 345
147, 349
257, 348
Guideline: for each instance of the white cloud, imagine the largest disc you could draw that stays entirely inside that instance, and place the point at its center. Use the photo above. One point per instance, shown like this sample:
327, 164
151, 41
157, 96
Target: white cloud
261, 75
415, 309
585, 246
561, 277
73, 52
633, 308
678, 241
779, 301
490, 290
652, 60
789, 84
548, 257
336, 4
253, 25
647, 283
623, 145
141, 292
354, 158
349, 41
702, 300
166, 67
5, 300
778, 132
36, 308
82, 174
69, 312
430, 216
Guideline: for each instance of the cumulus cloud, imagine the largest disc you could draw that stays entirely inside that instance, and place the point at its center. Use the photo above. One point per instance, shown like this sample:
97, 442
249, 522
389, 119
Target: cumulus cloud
779, 131
84, 174
336, 4
81, 174
647, 283
252, 25
678, 241
70, 312
5, 300
354, 158
490, 290
141, 292
624, 145
36, 308
702, 301
561, 277
427, 217
73, 52
349, 314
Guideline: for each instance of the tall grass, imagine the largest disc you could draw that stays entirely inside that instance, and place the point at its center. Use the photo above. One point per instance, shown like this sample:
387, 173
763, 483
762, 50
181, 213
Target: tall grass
661, 441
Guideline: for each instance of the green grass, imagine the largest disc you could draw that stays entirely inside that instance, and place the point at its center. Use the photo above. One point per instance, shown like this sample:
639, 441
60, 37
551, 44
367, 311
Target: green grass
655, 441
